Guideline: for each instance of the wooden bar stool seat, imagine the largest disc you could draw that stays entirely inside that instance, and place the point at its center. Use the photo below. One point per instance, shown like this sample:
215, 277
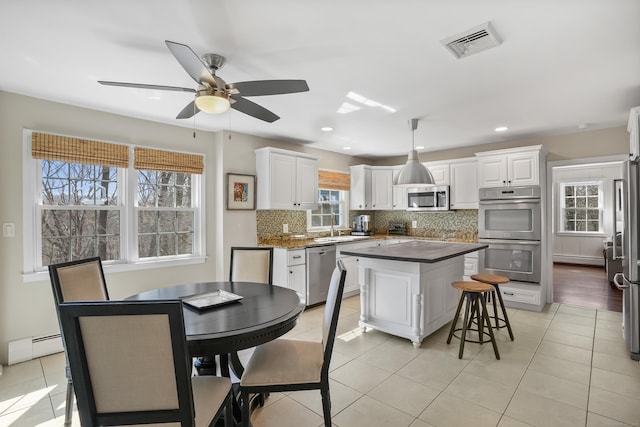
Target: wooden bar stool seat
496, 280
474, 293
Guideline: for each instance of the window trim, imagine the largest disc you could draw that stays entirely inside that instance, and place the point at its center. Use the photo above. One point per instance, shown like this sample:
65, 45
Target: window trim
344, 200
562, 207
32, 173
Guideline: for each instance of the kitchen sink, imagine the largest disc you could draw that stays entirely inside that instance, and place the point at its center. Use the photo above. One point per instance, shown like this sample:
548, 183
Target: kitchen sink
338, 239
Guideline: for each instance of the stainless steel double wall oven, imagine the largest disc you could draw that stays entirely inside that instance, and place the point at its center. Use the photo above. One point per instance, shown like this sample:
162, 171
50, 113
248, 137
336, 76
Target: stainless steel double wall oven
509, 221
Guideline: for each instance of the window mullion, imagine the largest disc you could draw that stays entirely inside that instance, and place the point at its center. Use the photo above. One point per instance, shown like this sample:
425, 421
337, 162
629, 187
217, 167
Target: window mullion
130, 243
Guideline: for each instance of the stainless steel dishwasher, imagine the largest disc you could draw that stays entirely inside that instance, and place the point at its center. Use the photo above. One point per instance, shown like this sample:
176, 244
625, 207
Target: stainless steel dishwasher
321, 260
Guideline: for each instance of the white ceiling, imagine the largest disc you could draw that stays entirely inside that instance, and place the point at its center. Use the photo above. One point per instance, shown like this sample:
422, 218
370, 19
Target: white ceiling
562, 64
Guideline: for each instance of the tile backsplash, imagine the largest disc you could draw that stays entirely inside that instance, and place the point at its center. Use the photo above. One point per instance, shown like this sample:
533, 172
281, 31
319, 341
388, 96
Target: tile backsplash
461, 224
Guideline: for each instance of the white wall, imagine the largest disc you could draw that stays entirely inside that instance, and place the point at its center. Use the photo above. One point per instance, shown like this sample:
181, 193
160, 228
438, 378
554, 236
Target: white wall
583, 249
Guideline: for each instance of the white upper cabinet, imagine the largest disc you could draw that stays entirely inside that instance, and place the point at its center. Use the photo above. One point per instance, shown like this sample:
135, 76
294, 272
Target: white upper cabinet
286, 179
360, 194
381, 188
511, 167
439, 171
400, 201
463, 192
371, 188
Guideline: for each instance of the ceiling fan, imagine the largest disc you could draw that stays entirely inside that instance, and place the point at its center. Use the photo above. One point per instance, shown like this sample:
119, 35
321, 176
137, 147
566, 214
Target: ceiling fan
213, 94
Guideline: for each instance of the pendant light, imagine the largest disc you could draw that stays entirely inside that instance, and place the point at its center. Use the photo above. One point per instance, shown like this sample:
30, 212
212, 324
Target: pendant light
414, 173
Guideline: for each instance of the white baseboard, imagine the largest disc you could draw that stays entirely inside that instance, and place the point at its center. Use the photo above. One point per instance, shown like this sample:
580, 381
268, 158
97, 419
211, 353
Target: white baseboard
33, 347
575, 259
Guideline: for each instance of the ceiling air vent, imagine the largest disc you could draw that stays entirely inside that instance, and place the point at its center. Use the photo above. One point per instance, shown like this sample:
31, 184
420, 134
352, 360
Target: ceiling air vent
475, 40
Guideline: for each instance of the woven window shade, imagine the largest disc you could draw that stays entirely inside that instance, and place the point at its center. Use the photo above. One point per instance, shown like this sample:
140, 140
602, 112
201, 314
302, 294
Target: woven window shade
63, 148
329, 180
168, 161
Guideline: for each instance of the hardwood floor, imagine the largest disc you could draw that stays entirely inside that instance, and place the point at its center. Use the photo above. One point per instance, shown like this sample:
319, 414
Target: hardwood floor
585, 286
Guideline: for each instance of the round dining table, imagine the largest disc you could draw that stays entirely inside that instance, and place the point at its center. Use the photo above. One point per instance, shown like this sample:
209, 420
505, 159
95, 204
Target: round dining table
264, 313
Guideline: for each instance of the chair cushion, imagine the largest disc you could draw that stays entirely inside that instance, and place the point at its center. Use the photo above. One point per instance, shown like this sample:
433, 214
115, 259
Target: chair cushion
82, 282
209, 393
283, 361
250, 266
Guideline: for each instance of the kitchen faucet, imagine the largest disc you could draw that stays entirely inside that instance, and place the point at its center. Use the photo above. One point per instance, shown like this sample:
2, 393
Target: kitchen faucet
333, 220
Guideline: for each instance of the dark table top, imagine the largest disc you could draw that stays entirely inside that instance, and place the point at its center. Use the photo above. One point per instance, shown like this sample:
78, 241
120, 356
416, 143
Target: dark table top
418, 251
263, 314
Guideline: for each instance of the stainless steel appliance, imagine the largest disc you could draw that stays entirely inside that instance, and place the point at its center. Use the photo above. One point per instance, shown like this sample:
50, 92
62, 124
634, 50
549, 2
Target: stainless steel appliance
428, 198
509, 213
509, 221
520, 260
629, 279
321, 260
397, 227
361, 225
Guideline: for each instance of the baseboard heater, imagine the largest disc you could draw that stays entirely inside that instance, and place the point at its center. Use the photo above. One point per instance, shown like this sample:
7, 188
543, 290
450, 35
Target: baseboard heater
33, 347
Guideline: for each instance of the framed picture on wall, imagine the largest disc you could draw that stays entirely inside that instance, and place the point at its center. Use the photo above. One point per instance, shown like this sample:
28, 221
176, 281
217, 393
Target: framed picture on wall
241, 192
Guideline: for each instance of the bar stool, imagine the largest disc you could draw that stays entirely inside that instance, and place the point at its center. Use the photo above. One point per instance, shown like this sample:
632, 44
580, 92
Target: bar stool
474, 292
495, 280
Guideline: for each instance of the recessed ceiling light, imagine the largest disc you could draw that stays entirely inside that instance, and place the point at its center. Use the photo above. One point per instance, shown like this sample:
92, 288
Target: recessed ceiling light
419, 147
501, 129
346, 148
326, 129
583, 125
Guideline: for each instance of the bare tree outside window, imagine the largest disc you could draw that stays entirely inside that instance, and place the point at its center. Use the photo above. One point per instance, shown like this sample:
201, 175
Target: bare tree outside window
80, 212
165, 214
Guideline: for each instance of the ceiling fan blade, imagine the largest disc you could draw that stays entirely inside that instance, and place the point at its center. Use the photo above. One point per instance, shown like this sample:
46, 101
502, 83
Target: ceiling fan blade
253, 109
143, 86
269, 87
189, 111
191, 63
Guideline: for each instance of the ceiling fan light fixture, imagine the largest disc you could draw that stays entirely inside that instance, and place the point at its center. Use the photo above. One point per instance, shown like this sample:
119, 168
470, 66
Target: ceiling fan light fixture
414, 173
213, 102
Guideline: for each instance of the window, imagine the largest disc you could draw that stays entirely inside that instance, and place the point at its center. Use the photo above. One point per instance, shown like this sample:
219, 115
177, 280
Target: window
581, 205
85, 203
165, 216
332, 210
79, 212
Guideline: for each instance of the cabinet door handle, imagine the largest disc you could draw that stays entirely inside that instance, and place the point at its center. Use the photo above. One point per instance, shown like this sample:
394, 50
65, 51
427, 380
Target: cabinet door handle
290, 272
507, 293
297, 256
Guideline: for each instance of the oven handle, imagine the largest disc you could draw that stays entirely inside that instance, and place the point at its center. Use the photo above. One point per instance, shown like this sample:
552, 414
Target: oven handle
508, 201
510, 242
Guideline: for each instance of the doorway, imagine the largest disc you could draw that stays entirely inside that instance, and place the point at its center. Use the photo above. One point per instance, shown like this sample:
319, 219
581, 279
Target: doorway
576, 261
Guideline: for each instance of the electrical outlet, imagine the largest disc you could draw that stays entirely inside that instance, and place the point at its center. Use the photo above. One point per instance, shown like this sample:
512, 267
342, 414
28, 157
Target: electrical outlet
285, 228
414, 224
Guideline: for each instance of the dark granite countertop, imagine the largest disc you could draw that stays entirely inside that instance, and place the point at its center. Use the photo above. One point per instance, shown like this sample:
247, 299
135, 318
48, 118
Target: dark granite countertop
418, 251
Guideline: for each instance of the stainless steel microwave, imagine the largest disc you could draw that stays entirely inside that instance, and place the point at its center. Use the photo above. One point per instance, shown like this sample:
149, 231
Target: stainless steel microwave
428, 198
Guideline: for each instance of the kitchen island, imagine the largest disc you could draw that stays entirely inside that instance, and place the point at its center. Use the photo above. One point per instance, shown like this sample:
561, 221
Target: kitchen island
405, 288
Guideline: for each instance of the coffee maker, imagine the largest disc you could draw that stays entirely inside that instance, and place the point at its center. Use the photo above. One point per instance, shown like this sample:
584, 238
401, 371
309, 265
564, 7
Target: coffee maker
361, 225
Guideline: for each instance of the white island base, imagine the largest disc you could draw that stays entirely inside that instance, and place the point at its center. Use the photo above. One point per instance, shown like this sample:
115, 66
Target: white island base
408, 299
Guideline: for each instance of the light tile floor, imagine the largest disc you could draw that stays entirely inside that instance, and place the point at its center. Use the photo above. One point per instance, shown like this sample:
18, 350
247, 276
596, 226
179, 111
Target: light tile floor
568, 366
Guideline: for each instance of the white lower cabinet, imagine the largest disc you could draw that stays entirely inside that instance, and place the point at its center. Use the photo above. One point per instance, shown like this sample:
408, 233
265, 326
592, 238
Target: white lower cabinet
515, 294
352, 281
470, 265
290, 270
